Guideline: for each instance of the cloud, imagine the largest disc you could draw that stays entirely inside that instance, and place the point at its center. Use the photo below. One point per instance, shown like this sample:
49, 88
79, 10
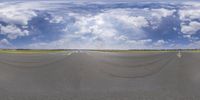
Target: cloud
22, 12
194, 45
113, 25
189, 15
190, 11
4, 42
12, 32
162, 12
127, 17
56, 19
158, 14
190, 29
138, 44
95, 25
16, 13
135, 22
15, 16
111, 28
160, 43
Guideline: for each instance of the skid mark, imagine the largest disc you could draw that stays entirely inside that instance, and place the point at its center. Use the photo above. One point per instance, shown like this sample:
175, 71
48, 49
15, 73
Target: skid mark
138, 72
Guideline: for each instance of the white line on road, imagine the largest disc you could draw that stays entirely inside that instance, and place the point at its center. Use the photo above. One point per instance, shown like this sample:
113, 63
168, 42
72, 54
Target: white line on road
69, 53
179, 55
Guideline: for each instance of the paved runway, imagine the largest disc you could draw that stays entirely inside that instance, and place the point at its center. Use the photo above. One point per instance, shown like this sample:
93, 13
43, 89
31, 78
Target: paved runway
91, 75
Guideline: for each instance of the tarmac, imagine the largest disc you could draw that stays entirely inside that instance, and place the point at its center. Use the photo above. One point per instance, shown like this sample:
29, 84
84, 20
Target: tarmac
91, 75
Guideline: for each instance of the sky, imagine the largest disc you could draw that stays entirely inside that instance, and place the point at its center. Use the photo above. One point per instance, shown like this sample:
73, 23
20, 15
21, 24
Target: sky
100, 24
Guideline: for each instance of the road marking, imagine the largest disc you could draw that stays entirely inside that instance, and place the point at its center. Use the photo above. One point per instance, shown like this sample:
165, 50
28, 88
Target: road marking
69, 53
179, 55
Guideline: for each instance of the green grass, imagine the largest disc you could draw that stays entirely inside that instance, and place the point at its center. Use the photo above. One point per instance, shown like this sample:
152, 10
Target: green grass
136, 51
195, 51
147, 51
29, 51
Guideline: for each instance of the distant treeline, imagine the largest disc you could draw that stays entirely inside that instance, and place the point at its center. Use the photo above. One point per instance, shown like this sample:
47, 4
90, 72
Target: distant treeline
108, 49
39, 49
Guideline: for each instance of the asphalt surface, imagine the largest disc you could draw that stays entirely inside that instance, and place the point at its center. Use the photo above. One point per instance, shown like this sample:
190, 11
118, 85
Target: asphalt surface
100, 76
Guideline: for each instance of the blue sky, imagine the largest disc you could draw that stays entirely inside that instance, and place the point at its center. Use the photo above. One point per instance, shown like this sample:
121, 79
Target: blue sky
100, 24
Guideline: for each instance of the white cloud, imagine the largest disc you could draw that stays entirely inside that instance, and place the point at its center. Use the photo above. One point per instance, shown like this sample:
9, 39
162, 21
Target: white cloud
108, 28
58, 44
113, 28
158, 14
56, 19
136, 22
16, 17
121, 37
189, 14
95, 25
110, 24
22, 12
16, 13
138, 44
4, 42
12, 32
162, 12
190, 11
175, 28
192, 3
90, 44
192, 45
154, 16
190, 29
160, 43
140, 16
